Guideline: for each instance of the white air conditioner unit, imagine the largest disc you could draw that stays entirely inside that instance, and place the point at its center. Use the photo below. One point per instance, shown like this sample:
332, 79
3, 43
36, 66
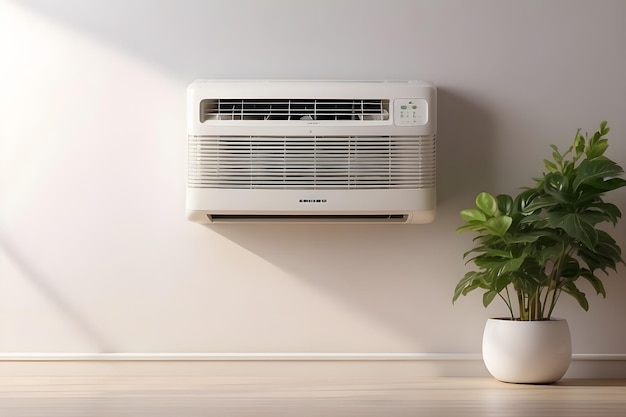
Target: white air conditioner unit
311, 151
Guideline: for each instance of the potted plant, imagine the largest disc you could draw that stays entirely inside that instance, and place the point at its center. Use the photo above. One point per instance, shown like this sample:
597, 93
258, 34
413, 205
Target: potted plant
533, 247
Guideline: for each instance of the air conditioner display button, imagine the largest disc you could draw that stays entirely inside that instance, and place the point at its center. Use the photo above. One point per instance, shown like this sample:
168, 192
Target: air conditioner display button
410, 112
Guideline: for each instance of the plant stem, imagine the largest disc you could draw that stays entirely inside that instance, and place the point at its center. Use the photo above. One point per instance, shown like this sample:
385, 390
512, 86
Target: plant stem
507, 301
558, 293
523, 309
534, 305
555, 277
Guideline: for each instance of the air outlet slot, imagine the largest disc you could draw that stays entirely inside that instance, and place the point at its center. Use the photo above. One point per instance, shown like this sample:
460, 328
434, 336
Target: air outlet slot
294, 109
302, 218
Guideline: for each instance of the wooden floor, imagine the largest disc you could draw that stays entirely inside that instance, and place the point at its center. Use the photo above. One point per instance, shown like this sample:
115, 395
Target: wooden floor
243, 397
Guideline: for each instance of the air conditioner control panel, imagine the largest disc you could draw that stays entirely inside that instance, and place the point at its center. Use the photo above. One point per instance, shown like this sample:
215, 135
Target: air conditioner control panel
410, 111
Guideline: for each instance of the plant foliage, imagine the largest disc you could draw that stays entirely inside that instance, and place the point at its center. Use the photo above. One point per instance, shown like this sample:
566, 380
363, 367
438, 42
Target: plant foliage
533, 247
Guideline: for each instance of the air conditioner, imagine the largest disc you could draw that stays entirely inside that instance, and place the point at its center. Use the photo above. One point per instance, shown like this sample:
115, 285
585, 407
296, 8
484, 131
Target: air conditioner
311, 151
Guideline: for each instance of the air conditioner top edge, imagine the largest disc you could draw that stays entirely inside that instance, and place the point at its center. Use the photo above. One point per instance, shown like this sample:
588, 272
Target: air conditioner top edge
234, 80
206, 88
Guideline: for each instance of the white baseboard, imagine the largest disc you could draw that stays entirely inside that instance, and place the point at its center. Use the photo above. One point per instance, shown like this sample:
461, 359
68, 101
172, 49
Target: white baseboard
165, 356
322, 365
162, 356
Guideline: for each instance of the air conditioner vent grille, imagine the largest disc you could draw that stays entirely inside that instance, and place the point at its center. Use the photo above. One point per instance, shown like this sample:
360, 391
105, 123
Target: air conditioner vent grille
294, 109
311, 162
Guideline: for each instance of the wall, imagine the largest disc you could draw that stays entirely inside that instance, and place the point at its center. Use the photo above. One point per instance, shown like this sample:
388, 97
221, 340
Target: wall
97, 257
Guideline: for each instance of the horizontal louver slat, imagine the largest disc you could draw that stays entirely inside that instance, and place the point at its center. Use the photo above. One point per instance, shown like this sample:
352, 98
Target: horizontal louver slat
311, 163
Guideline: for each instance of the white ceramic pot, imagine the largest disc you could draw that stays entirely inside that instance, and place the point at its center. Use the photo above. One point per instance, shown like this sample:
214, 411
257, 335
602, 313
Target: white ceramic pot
531, 352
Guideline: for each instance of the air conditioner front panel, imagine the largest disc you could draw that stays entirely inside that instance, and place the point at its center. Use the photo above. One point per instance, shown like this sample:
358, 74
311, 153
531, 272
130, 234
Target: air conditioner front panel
311, 151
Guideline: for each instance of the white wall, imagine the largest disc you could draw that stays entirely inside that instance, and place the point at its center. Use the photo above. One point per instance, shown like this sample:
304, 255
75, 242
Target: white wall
96, 254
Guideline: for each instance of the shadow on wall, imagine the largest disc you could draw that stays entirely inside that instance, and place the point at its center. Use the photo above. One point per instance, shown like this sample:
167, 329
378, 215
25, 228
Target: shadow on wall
368, 268
465, 141
218, 39
165, 34
46, 288
386, 271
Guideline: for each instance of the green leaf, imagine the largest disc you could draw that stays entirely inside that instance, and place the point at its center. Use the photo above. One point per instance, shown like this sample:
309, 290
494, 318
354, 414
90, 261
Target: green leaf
550, 253
598, 169
597, 149
473, 226
596, 283
489, 263
608, 247
550, 166
496, 253
524, 199
594, 139
488, 251
606, 254
557, 186
488, 297
538, 203
575, 226
498, 225
502, 282
579, 143
512, 265
603, 129
464, 283
602, 185
487, 203
526, 237
596, 260
505, 203
571, 289
556, 155
611, 211
594, 217
571, 270
473, 215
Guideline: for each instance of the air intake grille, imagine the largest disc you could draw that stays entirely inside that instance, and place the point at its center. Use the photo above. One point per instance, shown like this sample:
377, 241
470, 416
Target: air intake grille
293, 109
311, 162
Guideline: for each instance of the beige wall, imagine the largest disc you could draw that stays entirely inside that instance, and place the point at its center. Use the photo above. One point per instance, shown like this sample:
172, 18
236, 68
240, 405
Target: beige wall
96, 255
